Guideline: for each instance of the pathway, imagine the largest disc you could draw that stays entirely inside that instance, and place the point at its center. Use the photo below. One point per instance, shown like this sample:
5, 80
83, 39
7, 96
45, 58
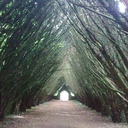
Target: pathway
60, 114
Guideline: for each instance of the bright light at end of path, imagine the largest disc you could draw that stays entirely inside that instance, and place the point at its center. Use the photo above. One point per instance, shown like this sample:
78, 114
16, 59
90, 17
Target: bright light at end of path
122, 7
64, 96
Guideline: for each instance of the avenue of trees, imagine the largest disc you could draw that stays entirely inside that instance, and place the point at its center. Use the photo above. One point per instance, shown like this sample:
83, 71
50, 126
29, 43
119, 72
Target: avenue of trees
38, 36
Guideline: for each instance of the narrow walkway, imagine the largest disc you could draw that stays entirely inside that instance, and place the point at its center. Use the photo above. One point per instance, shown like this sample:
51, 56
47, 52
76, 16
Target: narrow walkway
60, 114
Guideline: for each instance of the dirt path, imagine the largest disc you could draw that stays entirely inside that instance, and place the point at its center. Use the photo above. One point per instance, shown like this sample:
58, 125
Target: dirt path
60, 114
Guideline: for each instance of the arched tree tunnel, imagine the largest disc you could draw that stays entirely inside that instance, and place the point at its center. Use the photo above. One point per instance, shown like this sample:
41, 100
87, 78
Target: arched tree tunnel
45, 43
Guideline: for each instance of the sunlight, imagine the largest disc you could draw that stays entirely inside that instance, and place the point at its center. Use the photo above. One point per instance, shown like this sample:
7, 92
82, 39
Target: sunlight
122, 7
72, 94
21, 117
64, 96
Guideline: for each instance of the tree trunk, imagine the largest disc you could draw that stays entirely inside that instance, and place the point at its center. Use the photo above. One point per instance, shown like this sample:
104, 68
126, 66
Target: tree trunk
2, 114
23, 105
116, 116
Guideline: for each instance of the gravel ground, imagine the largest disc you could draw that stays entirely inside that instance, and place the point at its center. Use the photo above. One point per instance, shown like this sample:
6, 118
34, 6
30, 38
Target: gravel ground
60, 114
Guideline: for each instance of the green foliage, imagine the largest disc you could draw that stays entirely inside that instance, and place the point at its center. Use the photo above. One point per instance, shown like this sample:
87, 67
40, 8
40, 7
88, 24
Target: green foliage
45, 43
